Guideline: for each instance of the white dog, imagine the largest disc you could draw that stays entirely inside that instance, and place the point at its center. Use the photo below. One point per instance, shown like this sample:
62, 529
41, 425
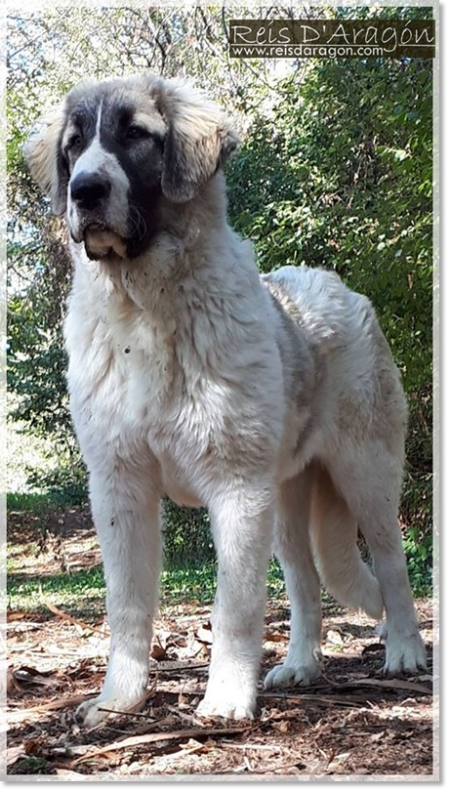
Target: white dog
274, 402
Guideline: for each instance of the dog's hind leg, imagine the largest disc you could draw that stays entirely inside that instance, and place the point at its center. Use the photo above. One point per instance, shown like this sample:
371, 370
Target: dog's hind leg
369, 479
292, 547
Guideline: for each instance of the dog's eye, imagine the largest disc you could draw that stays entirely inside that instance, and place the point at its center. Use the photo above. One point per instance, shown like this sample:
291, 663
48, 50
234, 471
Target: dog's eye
137, 133
74, 142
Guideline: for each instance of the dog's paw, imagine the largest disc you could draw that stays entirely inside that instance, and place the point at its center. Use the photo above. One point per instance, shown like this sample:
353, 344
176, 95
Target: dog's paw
93, 711
289, 674
403, 652
225, 708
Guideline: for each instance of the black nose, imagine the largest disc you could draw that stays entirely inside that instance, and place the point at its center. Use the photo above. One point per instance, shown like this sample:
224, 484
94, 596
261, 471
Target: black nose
89, 189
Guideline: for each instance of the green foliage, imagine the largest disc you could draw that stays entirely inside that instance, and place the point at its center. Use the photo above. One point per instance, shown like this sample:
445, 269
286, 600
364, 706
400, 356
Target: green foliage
31, 765
66, 483
25, 501
186, 583
36, 366
187, 537
418, 547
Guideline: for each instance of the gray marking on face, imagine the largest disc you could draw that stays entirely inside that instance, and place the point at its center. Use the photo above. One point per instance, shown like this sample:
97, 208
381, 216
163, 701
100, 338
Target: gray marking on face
113, 214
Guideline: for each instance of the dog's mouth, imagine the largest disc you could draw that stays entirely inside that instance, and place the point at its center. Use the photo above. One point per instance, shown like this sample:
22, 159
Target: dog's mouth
103, 243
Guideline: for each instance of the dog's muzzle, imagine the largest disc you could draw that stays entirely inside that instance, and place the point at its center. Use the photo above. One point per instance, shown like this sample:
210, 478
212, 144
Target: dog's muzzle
89, 193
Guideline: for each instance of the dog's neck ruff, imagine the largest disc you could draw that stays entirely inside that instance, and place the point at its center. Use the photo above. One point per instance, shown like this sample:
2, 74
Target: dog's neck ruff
185, 229
180, 273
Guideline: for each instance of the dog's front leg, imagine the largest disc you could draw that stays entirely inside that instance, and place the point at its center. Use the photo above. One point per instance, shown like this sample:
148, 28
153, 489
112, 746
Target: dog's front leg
126, 516
242, 525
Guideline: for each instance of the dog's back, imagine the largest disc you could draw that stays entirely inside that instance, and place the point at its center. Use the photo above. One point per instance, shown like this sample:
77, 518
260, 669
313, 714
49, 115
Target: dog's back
358, 380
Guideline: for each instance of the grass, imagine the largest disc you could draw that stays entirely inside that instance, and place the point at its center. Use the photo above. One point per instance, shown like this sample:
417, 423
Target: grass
26, 501
84, 591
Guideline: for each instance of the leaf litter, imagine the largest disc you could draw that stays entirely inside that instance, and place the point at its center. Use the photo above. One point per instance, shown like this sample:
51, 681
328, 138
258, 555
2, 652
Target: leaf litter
353, 721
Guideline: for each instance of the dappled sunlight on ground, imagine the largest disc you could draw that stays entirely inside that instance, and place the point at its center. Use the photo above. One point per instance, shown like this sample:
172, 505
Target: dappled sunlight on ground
352, 721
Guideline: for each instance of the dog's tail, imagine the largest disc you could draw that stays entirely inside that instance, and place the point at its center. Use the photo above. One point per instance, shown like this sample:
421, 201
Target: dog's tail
334, 534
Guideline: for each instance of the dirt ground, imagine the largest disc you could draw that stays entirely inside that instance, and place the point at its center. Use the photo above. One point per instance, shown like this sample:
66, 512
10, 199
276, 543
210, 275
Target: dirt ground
352, 722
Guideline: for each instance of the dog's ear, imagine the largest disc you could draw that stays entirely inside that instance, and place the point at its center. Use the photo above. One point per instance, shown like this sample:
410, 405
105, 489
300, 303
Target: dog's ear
199, 139
44, 158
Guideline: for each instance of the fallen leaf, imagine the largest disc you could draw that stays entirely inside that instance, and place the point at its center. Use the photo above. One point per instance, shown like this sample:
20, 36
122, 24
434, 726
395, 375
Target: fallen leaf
13, 754
31, 746
30, 676
283, 726
41, 709
335, 637
158, 652
204, 633
67, 617
401, 684
11, 684
69, 775
273, 637
131, 742
13, 616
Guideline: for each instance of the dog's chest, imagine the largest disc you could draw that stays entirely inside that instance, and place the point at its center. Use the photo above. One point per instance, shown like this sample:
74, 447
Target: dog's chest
201, 428
203, 392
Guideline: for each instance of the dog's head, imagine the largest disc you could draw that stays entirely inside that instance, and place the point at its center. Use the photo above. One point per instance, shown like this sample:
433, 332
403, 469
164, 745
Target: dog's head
114, 151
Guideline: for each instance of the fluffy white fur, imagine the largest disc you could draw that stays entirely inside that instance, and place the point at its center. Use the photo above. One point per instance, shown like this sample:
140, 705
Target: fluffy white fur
274, 402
